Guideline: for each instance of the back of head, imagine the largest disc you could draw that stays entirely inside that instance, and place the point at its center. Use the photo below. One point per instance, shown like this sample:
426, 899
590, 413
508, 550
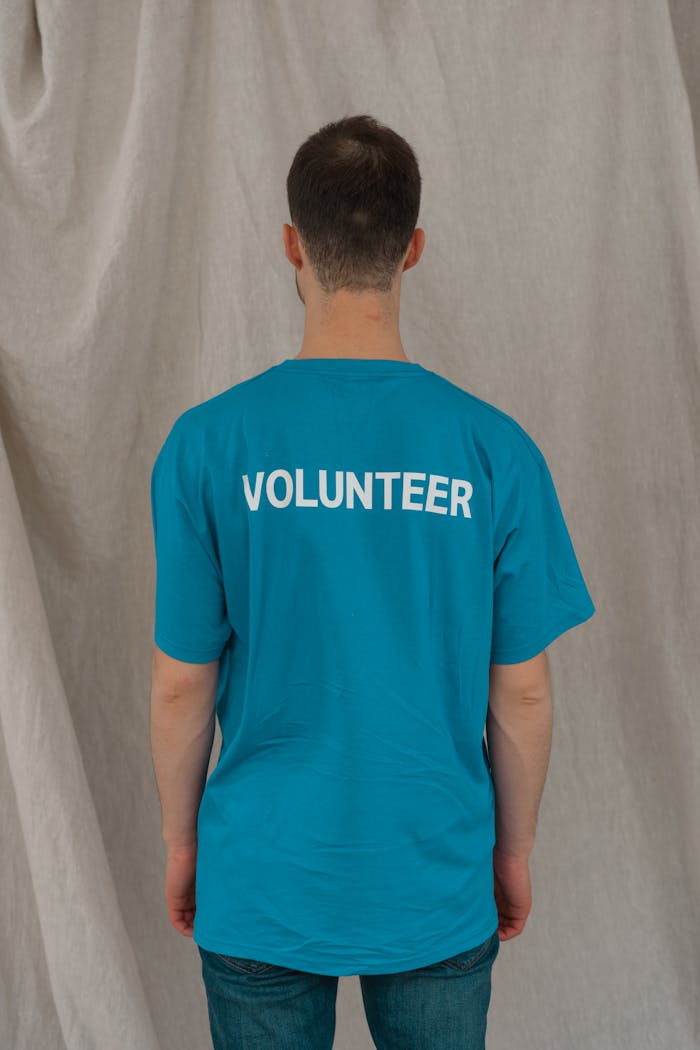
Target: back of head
353, 191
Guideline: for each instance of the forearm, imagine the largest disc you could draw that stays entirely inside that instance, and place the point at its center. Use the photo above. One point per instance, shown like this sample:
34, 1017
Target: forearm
519, 737
182, 733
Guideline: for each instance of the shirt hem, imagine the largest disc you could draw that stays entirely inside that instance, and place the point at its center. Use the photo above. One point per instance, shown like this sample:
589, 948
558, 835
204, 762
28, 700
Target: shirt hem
317, 965
181, 652
525, 651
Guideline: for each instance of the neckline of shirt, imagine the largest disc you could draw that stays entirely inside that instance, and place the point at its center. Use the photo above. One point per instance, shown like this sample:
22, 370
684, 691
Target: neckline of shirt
352, 365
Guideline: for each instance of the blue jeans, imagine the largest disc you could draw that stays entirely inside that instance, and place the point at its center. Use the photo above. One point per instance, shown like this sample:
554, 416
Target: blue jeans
260, 1006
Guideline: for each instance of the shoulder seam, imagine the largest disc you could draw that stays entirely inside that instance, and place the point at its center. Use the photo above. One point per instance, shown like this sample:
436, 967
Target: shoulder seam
526, 440
221, 393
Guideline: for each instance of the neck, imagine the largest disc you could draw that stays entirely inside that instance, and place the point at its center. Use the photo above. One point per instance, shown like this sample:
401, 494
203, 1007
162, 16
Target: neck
363, 336
365, 326
352, 348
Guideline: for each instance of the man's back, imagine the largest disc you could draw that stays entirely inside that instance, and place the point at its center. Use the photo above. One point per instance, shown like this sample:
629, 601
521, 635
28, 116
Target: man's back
357, 540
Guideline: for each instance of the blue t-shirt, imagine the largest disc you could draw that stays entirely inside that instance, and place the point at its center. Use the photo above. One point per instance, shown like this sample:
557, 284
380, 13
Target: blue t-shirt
356, 541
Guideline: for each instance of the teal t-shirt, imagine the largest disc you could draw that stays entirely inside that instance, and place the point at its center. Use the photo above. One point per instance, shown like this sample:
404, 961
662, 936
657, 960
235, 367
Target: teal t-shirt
356, 541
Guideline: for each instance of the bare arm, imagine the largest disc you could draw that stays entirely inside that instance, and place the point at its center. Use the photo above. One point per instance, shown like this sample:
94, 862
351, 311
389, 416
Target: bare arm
183, 698
519, 736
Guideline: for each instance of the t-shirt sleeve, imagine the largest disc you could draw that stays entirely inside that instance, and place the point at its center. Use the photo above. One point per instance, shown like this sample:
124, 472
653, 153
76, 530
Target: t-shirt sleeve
538, 589
191, 620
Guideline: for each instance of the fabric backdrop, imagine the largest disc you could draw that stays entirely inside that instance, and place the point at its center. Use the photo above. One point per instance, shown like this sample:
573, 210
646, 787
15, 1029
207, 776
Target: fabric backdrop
144, 149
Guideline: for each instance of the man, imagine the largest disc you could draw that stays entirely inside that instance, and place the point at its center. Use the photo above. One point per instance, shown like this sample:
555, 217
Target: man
359, 567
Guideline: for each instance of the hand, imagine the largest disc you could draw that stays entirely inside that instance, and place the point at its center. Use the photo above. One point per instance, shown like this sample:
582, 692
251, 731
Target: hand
511, 876
180, 887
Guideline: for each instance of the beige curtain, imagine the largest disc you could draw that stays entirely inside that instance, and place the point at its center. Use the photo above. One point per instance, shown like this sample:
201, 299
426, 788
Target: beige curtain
143, 155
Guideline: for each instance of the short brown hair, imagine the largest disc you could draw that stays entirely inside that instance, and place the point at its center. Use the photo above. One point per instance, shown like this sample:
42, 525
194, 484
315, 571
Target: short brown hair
354, 194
